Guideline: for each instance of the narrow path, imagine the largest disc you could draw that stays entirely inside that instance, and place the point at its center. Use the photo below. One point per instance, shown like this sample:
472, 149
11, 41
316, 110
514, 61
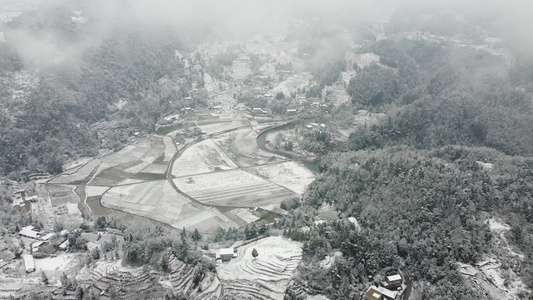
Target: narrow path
409, 287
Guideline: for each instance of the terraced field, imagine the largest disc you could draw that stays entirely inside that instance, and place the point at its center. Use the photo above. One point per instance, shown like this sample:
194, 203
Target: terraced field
78, 174
263, 277
131, 283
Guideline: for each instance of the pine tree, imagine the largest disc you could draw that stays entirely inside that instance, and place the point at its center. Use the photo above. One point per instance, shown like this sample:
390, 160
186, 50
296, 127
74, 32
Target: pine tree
196, 235
44, 279
164, 263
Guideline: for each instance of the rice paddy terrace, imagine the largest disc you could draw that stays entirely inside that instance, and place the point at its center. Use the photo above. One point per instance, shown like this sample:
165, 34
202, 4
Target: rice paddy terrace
244, 277
263, 277
109, 278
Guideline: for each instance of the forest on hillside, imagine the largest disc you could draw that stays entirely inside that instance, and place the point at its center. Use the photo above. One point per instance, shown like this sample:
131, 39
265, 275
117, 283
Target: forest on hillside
453, 153
98, 65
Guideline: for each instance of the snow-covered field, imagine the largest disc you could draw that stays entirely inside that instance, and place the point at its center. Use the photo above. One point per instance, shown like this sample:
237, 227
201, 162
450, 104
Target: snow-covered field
78, 173
155, 199
290, 175
236, 188
222, 126
200, 158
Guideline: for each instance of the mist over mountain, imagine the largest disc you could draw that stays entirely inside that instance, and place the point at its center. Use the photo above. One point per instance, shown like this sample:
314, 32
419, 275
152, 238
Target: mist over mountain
412, 118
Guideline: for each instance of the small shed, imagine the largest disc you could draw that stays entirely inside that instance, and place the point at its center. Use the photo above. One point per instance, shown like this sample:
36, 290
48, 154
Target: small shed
64, 246
291, 111
393, 281
29, 263
226, 254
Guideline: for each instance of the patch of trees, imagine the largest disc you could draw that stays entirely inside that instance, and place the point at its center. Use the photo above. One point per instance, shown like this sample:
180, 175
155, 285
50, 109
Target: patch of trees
252, 100
374, 86
216, 65
12, 220
153, 245
316, 141
498, 120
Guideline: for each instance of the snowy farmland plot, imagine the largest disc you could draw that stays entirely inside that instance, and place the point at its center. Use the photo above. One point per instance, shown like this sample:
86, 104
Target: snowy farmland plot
155, 200
145, 161
222, 125
82, 173
202, 157
290, 175
218, 181
236, 188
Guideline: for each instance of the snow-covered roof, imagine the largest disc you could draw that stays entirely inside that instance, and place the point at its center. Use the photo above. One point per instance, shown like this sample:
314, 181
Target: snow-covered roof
47, 236
394, 278
354, 222
388, 293
64, 245
36, 244
29, 232
29, 263
226, 251
373, 294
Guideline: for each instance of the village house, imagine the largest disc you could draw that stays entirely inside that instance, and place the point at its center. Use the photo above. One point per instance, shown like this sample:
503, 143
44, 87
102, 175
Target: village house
258, 111
389, 289
354, 222
19, 194
393, 281
29, 232
373, 294
226, 254
380, 293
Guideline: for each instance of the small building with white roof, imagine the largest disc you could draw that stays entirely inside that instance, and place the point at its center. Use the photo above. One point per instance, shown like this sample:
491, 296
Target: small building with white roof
226, 254
29, 263
29, 232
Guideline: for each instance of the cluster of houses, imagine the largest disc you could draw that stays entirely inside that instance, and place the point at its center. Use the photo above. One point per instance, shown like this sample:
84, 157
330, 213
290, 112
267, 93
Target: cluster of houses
41, 245
21, 201
390, 289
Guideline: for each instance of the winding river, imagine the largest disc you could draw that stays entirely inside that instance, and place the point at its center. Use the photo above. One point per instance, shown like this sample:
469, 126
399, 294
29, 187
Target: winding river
311, 164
